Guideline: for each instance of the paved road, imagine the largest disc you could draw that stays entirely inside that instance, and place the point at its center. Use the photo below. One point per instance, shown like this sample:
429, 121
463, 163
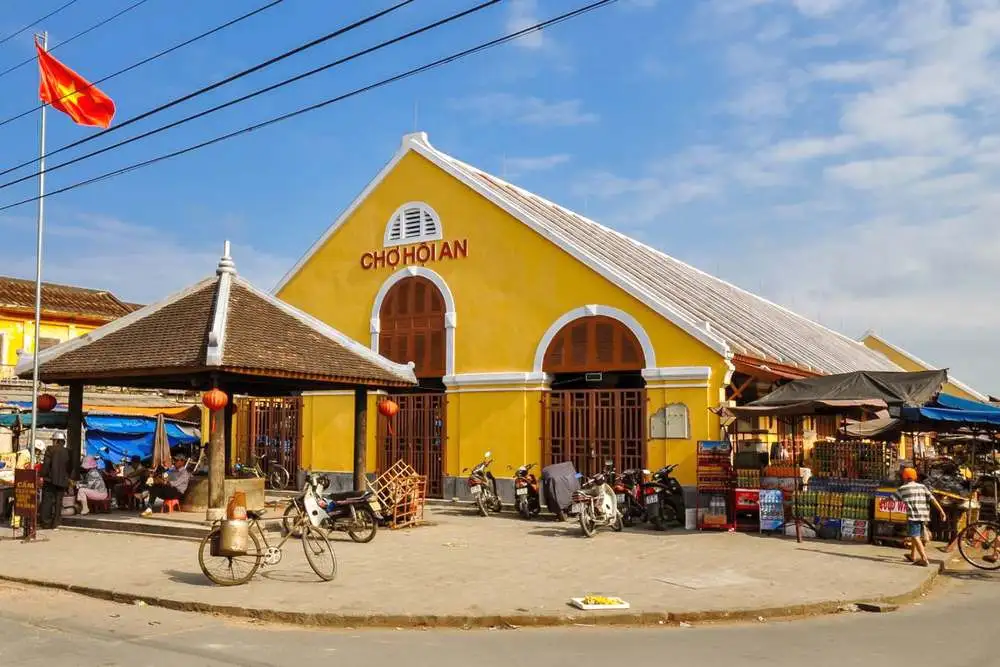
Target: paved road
951, 628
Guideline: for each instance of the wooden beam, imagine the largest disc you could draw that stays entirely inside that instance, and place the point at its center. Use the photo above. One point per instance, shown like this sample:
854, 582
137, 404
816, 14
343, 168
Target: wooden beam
737, 392
360, 438
74, 427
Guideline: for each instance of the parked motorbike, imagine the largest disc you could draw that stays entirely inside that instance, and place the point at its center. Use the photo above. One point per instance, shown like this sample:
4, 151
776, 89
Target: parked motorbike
663, 498
349, 511
628, 489
483, 487
596, 505
526, 498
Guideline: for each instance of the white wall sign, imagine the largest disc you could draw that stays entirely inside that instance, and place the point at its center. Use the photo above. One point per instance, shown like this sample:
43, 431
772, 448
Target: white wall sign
670, 423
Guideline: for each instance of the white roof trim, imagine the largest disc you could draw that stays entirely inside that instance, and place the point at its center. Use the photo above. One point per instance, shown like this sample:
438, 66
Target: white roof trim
24, 364
404, 148
509, 378
217, 336
677, 373
980, 396
404, 371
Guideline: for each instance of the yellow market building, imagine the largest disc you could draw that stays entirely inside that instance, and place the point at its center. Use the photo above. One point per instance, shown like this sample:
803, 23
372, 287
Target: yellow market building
537, 334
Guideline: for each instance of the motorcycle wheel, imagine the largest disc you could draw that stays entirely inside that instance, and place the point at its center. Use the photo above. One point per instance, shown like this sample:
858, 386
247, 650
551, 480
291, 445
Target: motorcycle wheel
588, 524
523, 509
674, 511
497, 504
618, 525
481, 504
656, 518
364, 529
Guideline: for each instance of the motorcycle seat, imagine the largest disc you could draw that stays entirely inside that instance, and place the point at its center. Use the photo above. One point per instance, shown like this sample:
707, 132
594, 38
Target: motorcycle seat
348, 496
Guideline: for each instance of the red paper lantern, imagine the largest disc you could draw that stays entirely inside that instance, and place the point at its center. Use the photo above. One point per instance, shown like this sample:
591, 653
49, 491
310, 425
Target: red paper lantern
214, 399
46, 403
388, 408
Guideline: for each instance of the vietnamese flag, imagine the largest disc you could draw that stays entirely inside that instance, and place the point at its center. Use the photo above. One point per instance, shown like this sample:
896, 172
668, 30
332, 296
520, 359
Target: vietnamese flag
67, 91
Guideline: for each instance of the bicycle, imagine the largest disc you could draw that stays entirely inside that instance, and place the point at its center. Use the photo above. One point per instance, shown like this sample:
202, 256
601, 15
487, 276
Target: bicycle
979, 544
314, 543
277, 476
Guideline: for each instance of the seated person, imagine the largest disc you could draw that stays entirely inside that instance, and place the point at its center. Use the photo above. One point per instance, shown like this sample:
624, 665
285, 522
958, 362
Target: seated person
171, 486
91, 485
135, 475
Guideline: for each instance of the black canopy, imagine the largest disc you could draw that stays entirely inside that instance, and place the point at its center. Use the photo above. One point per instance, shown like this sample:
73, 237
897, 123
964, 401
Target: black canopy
861, 390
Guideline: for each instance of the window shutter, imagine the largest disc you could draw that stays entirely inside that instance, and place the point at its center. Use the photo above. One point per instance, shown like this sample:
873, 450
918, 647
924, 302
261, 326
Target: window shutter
412, 223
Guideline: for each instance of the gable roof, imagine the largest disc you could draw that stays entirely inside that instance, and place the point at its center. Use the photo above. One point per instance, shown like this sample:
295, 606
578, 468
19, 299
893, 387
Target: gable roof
18, 294
978, 395
221, 323
724, 317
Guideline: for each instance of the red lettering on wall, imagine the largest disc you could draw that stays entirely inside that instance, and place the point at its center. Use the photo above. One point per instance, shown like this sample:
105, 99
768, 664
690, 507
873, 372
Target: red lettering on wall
409, 255
446, 251
415, 254
378, 259
423, 253
367, 260
461, 248
392, 257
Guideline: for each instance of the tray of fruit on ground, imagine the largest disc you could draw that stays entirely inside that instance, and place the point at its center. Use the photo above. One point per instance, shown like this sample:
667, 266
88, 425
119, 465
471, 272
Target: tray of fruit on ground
598, 602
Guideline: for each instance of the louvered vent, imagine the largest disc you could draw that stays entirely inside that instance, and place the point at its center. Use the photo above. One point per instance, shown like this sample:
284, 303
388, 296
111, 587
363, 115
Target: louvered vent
413, 223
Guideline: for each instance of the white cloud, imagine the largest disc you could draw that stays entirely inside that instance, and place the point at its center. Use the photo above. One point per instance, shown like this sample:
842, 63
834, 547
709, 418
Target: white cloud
525, 110
520, 165
136, 262
522, 14
883, 173
856, 71
796, 150
820, 8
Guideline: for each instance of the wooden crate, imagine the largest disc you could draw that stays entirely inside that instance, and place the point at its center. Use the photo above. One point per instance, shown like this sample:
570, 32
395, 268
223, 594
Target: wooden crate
402, 494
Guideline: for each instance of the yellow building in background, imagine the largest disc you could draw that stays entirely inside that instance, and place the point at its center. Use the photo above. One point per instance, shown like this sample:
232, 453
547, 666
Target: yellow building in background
908, 362
67, 312
537, 334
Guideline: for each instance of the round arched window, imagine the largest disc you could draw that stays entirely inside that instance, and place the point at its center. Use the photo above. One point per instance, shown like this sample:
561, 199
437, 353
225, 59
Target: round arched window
412, 223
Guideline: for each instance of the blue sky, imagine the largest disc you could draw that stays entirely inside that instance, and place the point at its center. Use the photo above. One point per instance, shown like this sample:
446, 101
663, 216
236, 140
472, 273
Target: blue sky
837, 156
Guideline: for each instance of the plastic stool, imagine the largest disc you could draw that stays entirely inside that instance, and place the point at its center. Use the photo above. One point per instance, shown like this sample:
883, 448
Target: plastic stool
171, 505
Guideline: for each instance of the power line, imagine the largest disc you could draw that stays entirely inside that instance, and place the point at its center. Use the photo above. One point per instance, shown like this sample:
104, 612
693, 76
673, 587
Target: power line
229, 79
97, 25
261, 91
36, 22
155, 56
333, 100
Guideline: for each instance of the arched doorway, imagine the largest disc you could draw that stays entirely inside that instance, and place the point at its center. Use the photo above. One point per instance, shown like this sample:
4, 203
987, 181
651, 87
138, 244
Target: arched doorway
596, 410
412, 329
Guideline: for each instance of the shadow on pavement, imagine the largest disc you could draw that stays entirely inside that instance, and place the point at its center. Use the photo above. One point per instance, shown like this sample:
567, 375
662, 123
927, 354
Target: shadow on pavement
875, 559
189, 578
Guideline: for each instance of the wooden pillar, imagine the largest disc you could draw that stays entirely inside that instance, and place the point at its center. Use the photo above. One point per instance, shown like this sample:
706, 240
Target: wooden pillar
74, 427
217, 467
229, 410
360, 438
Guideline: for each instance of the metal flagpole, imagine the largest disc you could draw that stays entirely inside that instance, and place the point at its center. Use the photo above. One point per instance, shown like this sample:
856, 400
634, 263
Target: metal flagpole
38, 270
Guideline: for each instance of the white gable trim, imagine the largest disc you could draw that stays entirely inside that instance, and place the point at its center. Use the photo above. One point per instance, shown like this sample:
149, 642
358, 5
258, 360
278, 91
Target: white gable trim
403, 371
920, 362
25, 362
404, 148
419, 143
501, 378
450, 315
589, 311
677, 373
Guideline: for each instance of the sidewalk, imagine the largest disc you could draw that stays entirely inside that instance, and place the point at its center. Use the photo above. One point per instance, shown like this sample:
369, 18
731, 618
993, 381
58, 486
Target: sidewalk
469, 570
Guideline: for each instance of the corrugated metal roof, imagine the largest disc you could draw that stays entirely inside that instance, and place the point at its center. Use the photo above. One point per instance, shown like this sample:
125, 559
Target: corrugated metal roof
750, 325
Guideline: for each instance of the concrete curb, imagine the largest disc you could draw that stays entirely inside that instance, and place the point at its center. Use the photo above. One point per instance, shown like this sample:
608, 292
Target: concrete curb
334, 620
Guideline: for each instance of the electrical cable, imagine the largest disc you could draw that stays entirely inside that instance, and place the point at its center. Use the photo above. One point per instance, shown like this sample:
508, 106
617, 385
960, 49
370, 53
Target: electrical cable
229, 79
37, 21
66, 41
319, 105
153, 57
261, 91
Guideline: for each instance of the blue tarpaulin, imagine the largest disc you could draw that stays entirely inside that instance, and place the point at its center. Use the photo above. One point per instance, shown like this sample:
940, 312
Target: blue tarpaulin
955, 410
129, 436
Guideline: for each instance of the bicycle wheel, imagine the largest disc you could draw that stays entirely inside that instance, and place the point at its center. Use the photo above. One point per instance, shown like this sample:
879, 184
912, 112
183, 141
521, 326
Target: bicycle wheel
319, 553
365, 526
228, 570
278, 477
290, 520
978, 543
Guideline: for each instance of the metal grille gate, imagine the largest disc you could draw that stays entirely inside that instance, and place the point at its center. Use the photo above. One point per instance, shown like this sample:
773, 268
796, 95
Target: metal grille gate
417, 437
589, 426
272, 427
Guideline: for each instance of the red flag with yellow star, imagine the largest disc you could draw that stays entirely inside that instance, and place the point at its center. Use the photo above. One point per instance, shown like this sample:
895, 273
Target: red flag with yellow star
67, 91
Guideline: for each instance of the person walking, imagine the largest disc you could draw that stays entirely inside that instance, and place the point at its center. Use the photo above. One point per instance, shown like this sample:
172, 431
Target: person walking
918, 499
55, 481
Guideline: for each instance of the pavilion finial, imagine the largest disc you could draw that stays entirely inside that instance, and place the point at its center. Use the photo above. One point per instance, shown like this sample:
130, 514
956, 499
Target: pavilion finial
226, 263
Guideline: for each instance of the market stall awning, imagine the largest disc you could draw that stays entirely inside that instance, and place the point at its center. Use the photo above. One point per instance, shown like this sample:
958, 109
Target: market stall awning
947, 412
911, 389
812, 407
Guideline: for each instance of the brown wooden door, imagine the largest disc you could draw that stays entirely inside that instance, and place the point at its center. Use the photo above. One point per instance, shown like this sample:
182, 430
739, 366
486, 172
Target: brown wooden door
412, 326
589, 426
417, 436
593, 344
